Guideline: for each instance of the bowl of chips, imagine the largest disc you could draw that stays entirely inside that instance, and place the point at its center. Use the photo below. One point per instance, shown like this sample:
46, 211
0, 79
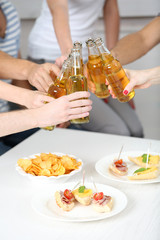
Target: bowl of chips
48, 166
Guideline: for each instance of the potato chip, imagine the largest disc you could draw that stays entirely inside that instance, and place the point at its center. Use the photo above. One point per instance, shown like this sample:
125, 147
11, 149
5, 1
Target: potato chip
48, 164
24, 163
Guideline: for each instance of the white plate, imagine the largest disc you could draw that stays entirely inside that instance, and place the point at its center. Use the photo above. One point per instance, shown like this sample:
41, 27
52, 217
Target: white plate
44, 178
45, 205
102, 167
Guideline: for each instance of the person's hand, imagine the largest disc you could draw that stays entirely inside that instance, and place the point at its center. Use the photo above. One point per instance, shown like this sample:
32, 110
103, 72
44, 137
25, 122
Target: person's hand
35, 99
59, 61
39, 77
63, 109
138, 80
90, 83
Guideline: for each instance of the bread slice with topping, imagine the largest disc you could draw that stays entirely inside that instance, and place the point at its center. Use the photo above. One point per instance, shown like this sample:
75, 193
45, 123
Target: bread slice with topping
83, 195
152, 160
145, 173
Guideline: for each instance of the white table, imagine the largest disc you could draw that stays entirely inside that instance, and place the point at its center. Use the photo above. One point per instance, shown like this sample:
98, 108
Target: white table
139, 221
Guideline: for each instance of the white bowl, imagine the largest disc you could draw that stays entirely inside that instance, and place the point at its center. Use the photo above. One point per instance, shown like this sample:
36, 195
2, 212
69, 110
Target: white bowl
45, 178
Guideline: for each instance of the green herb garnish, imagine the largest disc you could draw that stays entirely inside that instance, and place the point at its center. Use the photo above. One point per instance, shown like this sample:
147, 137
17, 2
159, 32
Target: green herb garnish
141, 170
144, 156
81, 189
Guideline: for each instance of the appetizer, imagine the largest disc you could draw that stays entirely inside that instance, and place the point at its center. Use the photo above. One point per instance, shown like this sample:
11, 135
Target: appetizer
102, 203
65, 200
144, 173
119, 167
83, 195
152, 160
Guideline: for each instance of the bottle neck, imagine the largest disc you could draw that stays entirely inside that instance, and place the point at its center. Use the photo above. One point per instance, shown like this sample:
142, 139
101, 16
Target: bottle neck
102, 49
65, 71
77, 64
92, 50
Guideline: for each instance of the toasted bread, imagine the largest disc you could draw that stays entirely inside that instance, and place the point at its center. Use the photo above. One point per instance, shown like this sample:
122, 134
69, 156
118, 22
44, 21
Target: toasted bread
103, 207
154, 160
148, 173
83, 198
116, 171
66, 206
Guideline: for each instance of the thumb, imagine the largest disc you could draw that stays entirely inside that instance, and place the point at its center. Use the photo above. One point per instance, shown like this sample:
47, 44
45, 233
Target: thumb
55, 69
128, 88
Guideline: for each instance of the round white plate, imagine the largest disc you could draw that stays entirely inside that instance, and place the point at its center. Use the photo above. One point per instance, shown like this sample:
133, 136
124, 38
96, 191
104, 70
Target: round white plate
102, 167
44, 178
45, 205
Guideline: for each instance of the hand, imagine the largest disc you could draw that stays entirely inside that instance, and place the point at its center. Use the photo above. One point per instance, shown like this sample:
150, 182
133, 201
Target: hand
59, 61
39, 77
138, 80
63, 109
90, 83
35, 99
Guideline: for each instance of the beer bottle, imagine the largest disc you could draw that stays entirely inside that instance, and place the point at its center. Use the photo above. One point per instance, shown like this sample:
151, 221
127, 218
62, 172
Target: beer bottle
95, 69
77, 81
58, 88
114, 72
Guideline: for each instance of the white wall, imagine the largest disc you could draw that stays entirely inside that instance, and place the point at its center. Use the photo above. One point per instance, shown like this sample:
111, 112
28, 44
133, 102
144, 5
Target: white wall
28, 8
139, 7
131, 8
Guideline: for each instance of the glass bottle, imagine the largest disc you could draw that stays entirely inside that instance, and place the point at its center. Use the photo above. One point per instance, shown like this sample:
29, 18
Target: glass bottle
58, 88
114, 72
95, 69
77, 81
77, 46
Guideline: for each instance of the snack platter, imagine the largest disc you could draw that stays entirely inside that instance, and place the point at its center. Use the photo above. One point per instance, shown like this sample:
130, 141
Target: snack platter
103, 168
45, 204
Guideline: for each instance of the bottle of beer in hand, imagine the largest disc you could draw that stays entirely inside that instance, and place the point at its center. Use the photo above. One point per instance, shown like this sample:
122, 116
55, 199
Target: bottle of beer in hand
58, 88
95, 69
114, 72
77, 81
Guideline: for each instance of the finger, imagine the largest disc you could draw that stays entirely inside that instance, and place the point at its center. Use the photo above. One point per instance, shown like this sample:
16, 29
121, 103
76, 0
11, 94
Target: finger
55, 69
79, 110
77, 95
111, 91
107, 83
45, 80
80, 103
82, 115
39, 86
128, 88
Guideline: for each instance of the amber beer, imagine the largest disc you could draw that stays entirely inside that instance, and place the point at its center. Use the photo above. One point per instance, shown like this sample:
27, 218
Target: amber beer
58, 88
114, 72
95, 69
77, 81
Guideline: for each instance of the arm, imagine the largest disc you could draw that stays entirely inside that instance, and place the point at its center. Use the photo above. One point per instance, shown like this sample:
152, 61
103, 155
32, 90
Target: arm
37, 75
135, 45
22, 83
60, 19
111, 22
22, 96
60, 110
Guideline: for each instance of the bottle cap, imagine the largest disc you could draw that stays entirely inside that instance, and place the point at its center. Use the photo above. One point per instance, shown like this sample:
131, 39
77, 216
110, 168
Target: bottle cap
90, 42
98, 41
